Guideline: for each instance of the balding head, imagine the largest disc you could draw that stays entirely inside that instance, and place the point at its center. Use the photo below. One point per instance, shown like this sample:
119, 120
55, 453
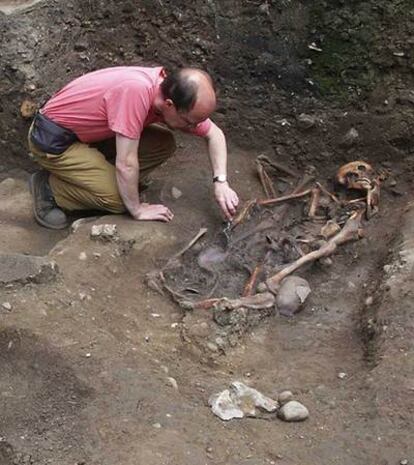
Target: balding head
192, 91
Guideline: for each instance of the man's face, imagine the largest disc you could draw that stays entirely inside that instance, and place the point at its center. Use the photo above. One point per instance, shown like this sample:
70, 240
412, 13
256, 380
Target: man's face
175, 119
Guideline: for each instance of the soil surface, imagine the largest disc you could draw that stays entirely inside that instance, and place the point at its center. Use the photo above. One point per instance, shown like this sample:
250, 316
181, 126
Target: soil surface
97, 368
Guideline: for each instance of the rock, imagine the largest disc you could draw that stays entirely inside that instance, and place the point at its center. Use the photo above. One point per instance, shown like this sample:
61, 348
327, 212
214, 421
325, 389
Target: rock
306, 121
292, 295
222, 405
104, 232
83, 256
342, 375
285, 397
211, 346
173, 383
350, 138
7, 306
7, 185
176, 193
369, 301
406, 97
28, 108
293, 411
19, 268
199, 329
240, 400
80, 47
81, 221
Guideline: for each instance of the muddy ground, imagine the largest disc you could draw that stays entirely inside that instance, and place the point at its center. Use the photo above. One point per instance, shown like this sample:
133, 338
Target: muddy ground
98, 369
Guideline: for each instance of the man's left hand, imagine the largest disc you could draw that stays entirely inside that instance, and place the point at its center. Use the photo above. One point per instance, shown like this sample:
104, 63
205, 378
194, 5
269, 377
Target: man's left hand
226, 198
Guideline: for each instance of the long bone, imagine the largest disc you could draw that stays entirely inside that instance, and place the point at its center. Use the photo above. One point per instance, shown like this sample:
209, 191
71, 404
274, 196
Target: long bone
277, 166
254, 302
265, 180
283, 198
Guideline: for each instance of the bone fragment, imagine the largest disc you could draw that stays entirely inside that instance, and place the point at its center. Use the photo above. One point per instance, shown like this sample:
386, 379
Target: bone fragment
254, 302
330, 229
248, 289
284, 198
278, 166
314, 202
241, 215
202, 304
154, 280
373, 197
191, 243
326, 192
351, 231
265, 181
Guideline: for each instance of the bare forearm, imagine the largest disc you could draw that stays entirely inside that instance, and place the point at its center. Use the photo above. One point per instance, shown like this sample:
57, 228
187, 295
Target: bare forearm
127, 179
217, 150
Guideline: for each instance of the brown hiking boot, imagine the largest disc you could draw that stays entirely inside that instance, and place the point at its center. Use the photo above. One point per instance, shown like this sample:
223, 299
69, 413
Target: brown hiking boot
45, 209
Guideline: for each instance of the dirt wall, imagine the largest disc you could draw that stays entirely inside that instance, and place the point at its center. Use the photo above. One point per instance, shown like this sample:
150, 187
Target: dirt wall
272, 60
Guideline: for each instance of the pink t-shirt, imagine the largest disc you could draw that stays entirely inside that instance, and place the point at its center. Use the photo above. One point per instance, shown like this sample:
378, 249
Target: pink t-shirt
100, 104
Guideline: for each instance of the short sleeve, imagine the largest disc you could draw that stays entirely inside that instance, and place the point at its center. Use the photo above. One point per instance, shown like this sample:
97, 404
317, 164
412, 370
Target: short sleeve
202, 128
127, 107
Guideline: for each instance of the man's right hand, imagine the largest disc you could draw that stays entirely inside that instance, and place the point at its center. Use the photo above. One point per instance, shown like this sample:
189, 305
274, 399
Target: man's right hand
148, 212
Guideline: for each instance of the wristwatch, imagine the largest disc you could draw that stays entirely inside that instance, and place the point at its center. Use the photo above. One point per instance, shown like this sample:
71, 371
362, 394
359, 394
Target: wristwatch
220, 178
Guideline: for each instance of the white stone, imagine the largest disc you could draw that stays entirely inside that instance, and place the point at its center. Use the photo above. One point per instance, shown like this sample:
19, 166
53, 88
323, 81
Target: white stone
240, 400
306, 121
104, 231
6, 305
176, 193
293, 411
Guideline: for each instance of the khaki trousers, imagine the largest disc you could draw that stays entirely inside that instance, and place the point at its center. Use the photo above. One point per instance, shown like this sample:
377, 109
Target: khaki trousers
82, 178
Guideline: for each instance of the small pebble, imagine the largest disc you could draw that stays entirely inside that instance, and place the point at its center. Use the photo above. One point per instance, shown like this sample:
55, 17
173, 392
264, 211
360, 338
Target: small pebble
404, 462
342, 375
173, 382
285, 397
88, 354
157, 425
176, 193
7, 306
83, 256
369, 301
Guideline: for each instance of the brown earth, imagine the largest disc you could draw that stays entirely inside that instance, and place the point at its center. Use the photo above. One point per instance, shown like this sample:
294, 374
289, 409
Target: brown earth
86, 361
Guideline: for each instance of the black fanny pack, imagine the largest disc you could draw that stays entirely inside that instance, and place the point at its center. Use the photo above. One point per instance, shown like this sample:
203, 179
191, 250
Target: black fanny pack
51, 137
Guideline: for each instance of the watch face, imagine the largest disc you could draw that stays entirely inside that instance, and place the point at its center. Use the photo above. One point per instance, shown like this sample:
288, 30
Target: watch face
221, 178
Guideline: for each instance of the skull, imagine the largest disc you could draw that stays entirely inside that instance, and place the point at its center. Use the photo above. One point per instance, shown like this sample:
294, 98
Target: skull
360, 175
356, 175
